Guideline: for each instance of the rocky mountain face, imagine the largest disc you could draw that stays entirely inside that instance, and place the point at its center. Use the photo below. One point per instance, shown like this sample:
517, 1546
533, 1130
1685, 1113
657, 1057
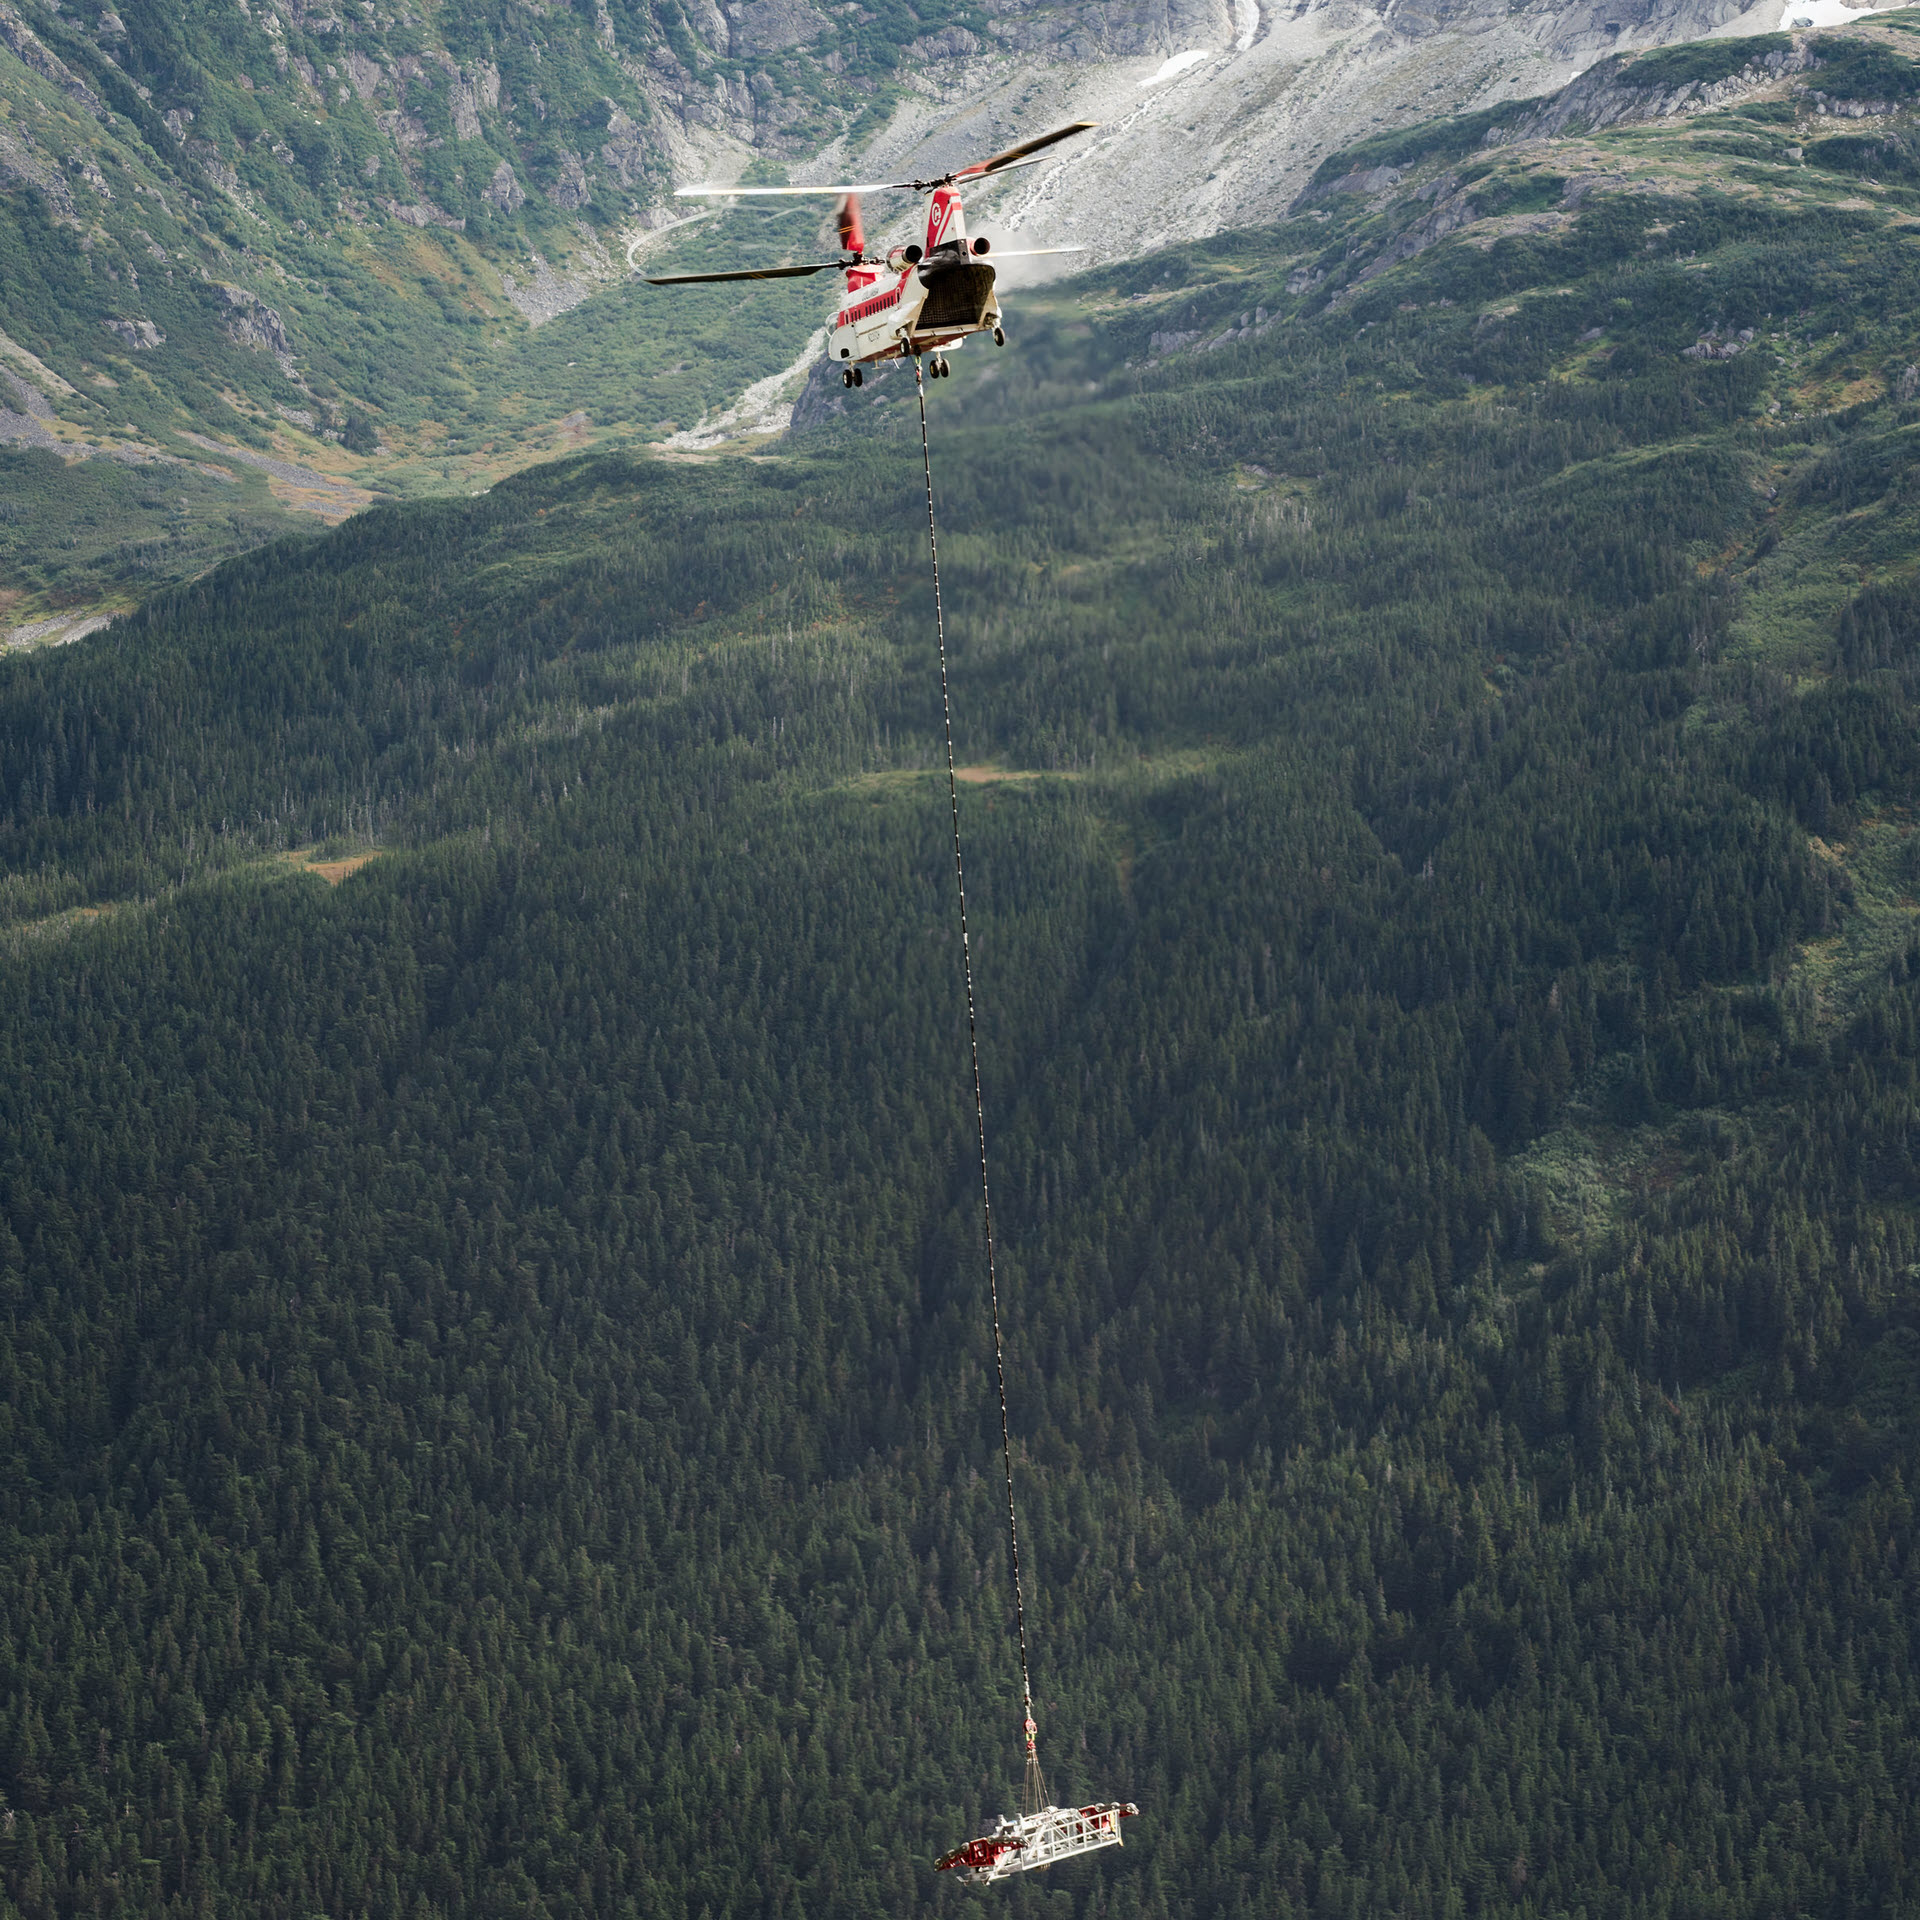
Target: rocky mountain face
285, 254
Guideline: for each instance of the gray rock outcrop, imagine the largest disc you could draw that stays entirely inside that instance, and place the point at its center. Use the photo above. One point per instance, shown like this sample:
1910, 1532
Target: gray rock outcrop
504, 192
823, 399
250, 322
137, 334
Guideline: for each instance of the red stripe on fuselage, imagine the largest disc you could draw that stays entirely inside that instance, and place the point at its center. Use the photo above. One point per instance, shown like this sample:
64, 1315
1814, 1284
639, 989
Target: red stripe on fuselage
847, 316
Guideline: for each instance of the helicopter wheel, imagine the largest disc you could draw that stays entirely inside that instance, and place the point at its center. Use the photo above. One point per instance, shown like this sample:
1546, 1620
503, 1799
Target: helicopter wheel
999, 336
846, 376
859, 378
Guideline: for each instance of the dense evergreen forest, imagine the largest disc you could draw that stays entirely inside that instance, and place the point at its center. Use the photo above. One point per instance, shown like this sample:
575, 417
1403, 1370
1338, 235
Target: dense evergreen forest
496, 1408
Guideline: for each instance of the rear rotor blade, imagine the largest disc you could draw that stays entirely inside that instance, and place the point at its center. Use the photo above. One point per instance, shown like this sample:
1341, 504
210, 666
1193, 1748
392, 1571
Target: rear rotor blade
1023, 155
745, 273
728, 193
1019, 153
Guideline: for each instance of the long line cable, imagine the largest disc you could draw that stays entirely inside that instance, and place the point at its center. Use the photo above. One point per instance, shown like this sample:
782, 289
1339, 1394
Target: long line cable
1035, 1796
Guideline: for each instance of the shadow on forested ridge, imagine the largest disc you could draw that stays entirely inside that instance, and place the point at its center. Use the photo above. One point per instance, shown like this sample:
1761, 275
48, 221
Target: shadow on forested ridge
497, 1411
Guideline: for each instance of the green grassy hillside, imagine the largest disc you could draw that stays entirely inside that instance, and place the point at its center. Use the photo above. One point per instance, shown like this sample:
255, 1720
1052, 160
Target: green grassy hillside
386, 250
496, 1414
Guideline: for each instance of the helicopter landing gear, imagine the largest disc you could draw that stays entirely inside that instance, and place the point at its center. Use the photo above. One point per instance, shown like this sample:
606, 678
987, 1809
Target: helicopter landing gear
939, 367
999, 336
846, 376
859, 377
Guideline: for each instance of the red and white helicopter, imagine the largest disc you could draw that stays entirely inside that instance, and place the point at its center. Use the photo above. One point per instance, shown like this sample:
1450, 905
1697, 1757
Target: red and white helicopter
910, 300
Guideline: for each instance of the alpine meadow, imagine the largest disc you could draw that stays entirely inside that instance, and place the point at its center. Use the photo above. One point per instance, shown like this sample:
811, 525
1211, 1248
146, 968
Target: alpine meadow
497, 1403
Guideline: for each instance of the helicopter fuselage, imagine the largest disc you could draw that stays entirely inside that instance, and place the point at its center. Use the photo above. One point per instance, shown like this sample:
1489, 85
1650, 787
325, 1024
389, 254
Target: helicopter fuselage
919, 299
935, 303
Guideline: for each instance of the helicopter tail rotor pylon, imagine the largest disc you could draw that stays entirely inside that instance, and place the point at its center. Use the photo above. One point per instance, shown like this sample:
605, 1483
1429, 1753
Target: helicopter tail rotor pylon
847, 224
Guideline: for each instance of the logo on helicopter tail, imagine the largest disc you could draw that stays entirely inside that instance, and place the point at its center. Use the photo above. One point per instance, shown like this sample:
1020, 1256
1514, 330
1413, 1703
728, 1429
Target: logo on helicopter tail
945, 222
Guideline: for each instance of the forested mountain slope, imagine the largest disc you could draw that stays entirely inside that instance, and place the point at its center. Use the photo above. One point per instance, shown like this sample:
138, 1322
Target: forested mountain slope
496, 1413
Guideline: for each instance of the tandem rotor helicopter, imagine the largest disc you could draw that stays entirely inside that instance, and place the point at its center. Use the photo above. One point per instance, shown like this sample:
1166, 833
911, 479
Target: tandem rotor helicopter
910, 300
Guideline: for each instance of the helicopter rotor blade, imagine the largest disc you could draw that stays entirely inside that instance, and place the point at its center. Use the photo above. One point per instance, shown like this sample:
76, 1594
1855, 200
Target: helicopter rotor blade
867, 186
1024, 155
748, 273
1017, 156
729, 193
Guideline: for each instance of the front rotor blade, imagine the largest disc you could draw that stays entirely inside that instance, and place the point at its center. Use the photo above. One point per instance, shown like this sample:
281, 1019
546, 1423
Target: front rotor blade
744, 273
1026, 147
1026, 253
728, 193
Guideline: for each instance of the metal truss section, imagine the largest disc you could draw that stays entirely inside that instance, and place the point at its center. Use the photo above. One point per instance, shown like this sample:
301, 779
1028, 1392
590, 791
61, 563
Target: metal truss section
1039, 1840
